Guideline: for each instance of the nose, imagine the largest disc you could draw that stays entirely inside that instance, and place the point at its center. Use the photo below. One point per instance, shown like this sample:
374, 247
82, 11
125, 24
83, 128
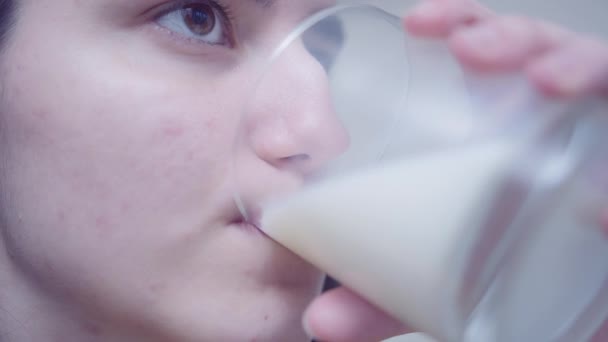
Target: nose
292, 121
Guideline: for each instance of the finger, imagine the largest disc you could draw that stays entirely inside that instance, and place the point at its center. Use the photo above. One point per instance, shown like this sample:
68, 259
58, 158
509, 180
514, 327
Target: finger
505, 44
573, 70
341, 316
439, 18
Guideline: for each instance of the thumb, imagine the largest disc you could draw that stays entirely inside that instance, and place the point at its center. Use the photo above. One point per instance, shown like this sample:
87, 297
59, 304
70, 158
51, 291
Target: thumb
340, 315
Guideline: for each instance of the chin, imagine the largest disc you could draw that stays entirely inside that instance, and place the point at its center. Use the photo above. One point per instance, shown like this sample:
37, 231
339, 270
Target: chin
242, 309
275, 314
271, 315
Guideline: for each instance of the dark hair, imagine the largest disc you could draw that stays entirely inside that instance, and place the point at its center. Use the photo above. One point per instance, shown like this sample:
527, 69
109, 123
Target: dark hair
6, 18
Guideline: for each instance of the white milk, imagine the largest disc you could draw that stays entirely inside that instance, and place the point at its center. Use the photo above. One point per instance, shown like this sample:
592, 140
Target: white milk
390, 233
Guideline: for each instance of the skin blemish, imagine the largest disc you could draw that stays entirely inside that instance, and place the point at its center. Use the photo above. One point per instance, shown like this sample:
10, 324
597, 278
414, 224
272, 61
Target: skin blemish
125, 208
41, 114
211, 124
103, 225
173, 131
101, 222
61, 216
190, 156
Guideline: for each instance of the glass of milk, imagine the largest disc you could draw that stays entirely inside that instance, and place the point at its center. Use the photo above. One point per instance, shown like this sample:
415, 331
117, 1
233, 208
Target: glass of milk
467, 206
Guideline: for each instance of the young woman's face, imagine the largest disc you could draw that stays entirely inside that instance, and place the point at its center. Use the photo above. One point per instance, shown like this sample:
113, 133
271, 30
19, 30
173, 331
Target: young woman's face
118, 121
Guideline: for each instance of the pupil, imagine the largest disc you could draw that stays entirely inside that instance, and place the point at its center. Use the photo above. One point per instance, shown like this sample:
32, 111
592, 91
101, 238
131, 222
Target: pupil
199, 18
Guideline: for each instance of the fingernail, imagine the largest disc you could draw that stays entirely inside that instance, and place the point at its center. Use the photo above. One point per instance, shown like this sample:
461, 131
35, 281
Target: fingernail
426, 10
567, 74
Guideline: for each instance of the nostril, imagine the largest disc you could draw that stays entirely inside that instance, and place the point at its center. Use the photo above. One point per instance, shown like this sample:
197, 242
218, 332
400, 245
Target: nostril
294, 162
298, 158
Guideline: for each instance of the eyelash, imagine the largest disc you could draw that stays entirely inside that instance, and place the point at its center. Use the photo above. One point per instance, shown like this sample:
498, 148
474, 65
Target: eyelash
223, 10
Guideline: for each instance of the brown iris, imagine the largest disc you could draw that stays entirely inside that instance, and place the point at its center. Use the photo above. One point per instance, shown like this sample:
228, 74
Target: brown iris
200, 18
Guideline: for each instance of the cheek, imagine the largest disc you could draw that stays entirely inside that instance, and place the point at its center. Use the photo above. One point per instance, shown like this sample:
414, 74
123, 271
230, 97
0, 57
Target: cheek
101, 124
121, 144
114, 168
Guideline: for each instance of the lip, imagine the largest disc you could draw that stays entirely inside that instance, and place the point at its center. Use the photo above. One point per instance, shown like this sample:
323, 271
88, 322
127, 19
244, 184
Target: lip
247, 226
249, 223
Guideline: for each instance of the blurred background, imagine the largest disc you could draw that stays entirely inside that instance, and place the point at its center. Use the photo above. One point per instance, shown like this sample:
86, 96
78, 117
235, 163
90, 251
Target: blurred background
581, 15
590, 16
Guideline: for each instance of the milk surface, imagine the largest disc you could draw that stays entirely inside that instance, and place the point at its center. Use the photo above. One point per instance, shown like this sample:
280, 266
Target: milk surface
391, 233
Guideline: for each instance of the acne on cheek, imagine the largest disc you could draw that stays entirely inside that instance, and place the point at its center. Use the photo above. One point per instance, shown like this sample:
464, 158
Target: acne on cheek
168, 132
29, 123
101, 222
32, 125
173, 131
190, 140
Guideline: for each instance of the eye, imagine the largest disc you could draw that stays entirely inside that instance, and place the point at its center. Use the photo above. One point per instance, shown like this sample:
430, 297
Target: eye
202, 21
